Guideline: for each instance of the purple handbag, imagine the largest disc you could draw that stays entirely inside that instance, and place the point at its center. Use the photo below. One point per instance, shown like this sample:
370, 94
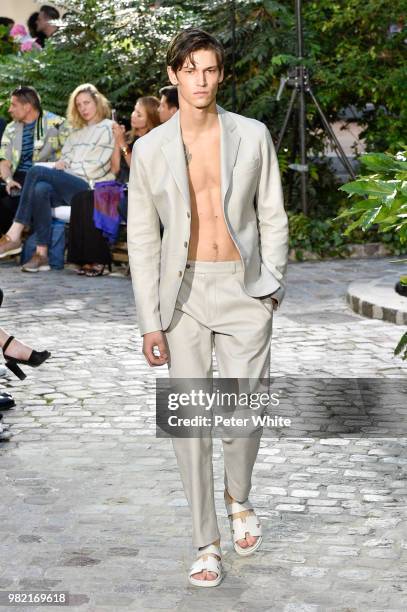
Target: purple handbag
106, 217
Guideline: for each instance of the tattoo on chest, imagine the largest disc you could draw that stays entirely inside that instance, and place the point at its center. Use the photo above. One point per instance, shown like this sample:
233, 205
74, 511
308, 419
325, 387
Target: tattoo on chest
188, 155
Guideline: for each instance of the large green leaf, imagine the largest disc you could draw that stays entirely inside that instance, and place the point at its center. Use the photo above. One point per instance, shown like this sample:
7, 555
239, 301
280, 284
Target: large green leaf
369, 218
374, 187
379, 162
359, 207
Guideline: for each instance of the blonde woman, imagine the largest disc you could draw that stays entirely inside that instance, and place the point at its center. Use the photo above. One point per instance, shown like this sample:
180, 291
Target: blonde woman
86, 158
86, 246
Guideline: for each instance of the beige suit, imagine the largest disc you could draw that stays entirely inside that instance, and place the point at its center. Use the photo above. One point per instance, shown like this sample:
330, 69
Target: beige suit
252, 203
223, 305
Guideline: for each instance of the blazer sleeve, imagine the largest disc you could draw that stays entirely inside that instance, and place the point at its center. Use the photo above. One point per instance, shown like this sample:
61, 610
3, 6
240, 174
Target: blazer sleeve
144, 247
272, 217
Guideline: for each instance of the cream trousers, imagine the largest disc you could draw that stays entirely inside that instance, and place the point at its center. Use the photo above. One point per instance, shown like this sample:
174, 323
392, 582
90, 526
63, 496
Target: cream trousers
213, 311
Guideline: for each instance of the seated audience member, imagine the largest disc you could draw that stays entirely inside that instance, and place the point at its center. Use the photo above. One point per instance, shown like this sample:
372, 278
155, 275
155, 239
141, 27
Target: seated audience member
87, 247
33, 29
46, 16
85, 159
168, 102
34, 135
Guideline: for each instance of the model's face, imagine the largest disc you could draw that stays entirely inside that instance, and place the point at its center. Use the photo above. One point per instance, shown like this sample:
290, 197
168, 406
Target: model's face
86, 107
139, 119
19, 109
198, 79
165, 111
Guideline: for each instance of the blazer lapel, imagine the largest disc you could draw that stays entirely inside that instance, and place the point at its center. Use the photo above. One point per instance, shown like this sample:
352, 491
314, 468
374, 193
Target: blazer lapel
230, 141
173, 151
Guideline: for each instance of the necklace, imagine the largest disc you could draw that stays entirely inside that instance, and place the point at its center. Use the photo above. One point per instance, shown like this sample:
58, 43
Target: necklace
188, 155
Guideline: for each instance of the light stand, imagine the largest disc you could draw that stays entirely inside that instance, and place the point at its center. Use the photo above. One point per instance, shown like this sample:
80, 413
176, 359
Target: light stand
298, 79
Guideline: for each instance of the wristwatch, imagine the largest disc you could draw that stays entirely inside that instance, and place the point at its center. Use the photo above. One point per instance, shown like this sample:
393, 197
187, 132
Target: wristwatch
8, 180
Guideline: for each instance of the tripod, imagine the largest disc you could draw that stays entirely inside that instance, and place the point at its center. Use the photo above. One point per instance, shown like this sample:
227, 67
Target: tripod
298, 79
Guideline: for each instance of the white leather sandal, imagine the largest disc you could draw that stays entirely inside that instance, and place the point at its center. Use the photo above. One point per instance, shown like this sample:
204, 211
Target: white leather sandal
241, 526
205, 561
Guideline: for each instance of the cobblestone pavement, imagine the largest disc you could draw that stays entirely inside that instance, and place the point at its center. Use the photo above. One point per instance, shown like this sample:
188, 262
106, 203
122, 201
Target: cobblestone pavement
92, 502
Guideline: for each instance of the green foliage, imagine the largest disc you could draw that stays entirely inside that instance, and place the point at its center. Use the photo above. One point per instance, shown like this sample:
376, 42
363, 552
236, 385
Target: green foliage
119, 47
384, 194
383, 188
356, 60
323, 237
7, 44
327, 237
401, 348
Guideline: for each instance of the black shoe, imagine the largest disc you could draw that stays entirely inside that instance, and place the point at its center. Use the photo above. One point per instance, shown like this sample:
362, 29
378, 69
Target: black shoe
35, 360
6, 401
1, 297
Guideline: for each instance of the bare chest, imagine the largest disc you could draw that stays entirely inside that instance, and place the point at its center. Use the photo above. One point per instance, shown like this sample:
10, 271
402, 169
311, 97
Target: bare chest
203, 163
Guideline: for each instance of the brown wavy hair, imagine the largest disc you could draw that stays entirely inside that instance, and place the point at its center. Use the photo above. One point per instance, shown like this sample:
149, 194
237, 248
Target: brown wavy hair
186, 42
151, 104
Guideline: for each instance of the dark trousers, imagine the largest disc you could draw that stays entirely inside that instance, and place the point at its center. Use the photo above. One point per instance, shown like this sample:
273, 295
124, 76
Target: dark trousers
86, 243
43, 189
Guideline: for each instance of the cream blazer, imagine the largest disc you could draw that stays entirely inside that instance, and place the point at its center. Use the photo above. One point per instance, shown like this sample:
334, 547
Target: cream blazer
252, 204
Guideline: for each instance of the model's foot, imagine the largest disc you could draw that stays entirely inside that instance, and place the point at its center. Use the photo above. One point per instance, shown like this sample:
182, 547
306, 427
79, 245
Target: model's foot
249, 540
205, 575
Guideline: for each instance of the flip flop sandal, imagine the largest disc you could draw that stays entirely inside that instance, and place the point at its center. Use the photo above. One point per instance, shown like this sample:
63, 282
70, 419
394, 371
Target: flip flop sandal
241, 526
205, 561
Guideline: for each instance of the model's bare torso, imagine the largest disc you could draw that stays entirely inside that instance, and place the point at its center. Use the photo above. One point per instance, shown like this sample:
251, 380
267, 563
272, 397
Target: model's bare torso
210, 239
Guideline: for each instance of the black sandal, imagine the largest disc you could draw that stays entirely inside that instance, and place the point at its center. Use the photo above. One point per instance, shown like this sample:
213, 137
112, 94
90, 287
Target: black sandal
35, 360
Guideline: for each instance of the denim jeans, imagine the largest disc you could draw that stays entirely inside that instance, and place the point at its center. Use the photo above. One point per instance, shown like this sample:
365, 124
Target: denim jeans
45, 188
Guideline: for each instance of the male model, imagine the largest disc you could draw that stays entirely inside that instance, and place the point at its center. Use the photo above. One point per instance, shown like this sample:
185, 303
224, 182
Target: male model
212, 178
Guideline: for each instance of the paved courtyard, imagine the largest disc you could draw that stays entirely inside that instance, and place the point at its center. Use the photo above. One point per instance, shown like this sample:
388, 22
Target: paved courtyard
92, 502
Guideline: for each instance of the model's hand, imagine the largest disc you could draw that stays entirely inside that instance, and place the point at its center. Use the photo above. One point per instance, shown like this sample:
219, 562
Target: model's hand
12, 185
61, 164
156, 340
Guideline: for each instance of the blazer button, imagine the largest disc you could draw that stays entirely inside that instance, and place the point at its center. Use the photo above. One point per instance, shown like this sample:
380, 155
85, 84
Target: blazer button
188, 214
179, 273
185, 244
